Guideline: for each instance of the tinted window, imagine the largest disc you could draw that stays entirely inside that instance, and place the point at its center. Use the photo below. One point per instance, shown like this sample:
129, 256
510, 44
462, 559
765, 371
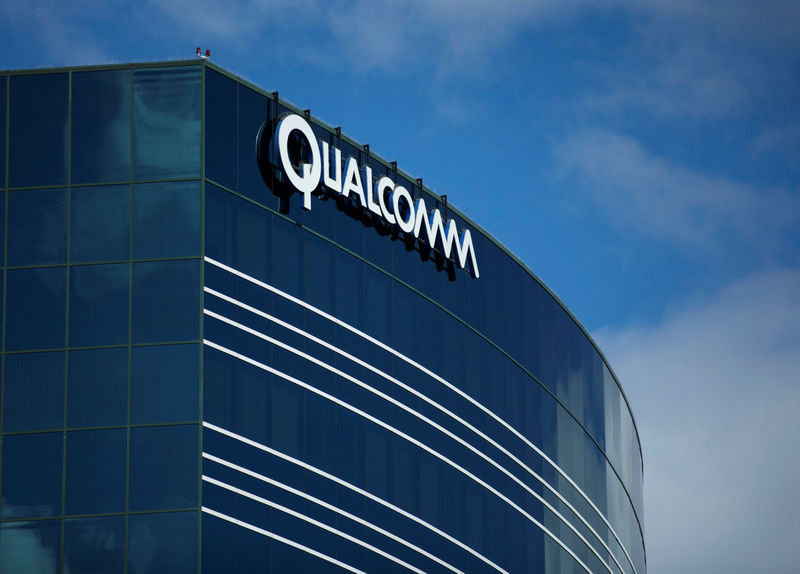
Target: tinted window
166, 301
100, 223
31, 546
37, 226
3, 82
101, 126
221, 101
98, 387
166, 128
164, 464
162, 543
32, 475
166, 220
96, 471
98, 304
38, 130
35, 308
94, 545
164, 385
34, 392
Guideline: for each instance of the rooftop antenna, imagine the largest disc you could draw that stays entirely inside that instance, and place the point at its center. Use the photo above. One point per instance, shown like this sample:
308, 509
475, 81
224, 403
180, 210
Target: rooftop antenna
202, 56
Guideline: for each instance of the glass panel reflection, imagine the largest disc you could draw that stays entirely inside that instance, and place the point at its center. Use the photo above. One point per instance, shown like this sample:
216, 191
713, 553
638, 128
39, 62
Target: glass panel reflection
164, 464
98, 304
162, 543
165, 381
101, 126
35, 308
32, 475
34, 392
166, 219
166, 301
94, 545
100, 223
30, 547
166, 123
98, 387
95, 479
38, 130
37, 226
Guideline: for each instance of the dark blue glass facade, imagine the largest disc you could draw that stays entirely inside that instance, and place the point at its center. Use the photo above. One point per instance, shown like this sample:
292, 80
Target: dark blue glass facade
201, 376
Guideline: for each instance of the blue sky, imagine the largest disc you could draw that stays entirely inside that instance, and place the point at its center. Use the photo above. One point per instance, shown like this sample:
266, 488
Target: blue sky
641, 157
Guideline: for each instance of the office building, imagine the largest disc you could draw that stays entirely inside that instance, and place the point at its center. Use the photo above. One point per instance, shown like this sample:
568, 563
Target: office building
235, 340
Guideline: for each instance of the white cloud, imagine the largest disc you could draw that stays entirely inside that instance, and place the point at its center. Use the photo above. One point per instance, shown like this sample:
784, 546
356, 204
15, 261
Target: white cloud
642, 191
715, 392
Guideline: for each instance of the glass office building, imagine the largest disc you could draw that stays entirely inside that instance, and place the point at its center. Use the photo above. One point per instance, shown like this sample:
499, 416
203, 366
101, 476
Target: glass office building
200, 375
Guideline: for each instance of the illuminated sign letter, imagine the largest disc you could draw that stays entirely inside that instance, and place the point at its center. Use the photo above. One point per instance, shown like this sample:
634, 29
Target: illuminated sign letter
307, 181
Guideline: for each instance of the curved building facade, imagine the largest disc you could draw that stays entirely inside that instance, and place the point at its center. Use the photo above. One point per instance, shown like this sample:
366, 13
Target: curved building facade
235, 340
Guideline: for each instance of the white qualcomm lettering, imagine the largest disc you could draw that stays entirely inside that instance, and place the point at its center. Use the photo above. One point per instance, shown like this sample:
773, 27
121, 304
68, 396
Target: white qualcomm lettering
408, 217
308, 181
334, 183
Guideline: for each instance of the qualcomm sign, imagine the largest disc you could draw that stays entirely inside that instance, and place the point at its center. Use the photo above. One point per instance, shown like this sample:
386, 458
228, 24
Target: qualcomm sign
384, 198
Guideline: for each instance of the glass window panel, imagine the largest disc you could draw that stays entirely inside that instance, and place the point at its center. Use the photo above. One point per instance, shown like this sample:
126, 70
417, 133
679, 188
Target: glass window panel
164, 384
162, 543
98, 387
94, 545
252, 113
38, 130
37, 226
166, 219
32, 475
221, 96
98, 304
30, 546
287, 404
166, 301
34, 392
101, 126
166, 123
163, 467
287, 253
100, 223
96, 471
3, 82
35, 308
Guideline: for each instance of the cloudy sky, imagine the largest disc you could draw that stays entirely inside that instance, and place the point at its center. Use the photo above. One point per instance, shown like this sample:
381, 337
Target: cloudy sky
642, 157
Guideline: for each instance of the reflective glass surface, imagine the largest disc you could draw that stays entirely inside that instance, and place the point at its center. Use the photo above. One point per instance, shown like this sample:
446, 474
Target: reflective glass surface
166, 301
38, 130
3, 84
94, 545
101, 126
35, 308
33, 392
166, 219
98, 304
162, 543
164, 384
100, 223
37, 226
95, 480
163, 467
166, 123
31, 546
98, 387
221, 128
32, 475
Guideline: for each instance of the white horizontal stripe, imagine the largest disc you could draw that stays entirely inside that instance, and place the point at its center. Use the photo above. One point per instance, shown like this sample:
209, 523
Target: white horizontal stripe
434, 376
426, 420
310, 520
352, 487
280, 538
408, 438
330, 507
